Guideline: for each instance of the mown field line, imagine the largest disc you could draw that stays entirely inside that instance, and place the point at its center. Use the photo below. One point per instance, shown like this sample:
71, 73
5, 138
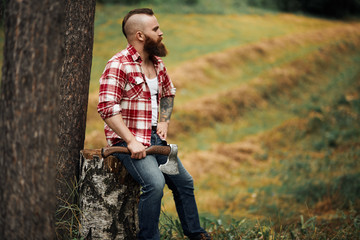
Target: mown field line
312, 95
223, 107
222, 71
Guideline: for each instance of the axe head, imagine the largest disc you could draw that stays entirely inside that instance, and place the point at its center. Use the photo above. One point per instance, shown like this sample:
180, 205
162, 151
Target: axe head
171, 167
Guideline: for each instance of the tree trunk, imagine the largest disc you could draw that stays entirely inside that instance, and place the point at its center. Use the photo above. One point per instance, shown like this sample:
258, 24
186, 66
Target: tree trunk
29, 89
74, 91
108, 198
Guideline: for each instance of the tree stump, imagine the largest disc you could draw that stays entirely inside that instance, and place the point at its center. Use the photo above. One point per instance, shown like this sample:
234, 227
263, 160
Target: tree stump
108, 198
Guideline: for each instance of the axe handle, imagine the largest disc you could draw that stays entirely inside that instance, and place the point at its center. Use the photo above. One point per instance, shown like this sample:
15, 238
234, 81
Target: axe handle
162, 150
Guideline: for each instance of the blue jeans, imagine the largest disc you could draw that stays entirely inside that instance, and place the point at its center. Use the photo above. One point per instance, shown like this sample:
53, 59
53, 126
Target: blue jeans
147, 173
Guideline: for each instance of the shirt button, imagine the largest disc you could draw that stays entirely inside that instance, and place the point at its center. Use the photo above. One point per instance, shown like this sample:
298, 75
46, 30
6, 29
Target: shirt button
149, 98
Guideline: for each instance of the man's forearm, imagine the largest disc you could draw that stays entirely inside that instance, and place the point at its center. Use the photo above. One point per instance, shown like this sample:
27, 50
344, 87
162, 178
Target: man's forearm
166, 108
116, 123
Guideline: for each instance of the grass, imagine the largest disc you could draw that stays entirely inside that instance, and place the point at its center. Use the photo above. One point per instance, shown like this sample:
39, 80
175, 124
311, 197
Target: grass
299, 191
303, 228
290, 162
266, 118
300, 88
68, 214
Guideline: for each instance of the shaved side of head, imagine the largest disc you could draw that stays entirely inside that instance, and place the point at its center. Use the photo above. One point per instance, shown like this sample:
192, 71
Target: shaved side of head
134, 21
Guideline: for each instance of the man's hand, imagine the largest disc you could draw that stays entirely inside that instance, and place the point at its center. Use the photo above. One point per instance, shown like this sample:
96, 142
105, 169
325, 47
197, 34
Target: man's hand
137, 149
162, 129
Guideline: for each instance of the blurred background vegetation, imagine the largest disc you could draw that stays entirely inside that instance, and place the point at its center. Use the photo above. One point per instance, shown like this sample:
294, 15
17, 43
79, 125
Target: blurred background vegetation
267, 112
330, 8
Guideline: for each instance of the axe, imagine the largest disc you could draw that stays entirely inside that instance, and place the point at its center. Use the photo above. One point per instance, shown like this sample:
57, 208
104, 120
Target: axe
170, 167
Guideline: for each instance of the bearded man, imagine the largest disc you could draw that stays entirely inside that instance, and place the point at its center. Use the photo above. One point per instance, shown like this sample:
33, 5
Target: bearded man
134, 90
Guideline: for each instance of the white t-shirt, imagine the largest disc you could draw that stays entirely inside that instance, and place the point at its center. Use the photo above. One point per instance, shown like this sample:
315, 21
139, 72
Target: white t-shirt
154, 88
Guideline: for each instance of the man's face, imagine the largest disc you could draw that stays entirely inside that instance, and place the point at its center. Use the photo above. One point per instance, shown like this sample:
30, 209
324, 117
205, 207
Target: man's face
155, 47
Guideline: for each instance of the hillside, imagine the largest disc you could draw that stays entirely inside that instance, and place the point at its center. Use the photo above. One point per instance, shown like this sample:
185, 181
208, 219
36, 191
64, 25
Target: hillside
220, 88
268, 127
244, 124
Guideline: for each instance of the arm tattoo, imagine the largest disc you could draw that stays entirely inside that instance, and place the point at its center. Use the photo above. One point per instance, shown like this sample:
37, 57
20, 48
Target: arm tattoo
166, 107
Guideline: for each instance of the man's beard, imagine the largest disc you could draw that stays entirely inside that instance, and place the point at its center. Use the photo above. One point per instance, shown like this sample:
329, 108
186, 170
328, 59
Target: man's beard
155, 48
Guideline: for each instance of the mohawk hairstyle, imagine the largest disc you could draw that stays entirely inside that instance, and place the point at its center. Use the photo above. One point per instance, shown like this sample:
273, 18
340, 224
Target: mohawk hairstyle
146, 11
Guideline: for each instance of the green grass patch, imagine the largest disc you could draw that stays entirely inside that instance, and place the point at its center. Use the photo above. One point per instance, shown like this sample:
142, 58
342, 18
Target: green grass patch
303, 228
324, 179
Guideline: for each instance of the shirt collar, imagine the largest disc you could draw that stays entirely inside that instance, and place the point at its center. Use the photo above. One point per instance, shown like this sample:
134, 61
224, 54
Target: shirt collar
133, 53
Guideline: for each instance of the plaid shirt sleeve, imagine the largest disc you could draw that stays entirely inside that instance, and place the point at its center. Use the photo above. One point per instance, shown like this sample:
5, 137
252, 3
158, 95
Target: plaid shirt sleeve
112, 83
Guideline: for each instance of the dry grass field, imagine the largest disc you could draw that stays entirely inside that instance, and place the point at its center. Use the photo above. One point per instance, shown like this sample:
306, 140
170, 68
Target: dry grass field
266, 118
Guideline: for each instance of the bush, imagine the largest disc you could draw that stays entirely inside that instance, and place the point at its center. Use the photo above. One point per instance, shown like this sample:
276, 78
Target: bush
347, 188
310, 192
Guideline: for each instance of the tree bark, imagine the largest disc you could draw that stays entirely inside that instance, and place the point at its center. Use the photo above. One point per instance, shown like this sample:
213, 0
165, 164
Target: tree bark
29, 89
74, 91
108, 198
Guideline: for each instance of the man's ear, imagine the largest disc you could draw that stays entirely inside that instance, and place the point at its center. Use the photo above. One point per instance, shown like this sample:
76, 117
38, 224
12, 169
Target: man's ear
140, 36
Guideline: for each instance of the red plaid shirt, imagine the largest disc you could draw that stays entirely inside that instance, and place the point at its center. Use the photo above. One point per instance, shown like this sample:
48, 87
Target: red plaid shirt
123, 89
